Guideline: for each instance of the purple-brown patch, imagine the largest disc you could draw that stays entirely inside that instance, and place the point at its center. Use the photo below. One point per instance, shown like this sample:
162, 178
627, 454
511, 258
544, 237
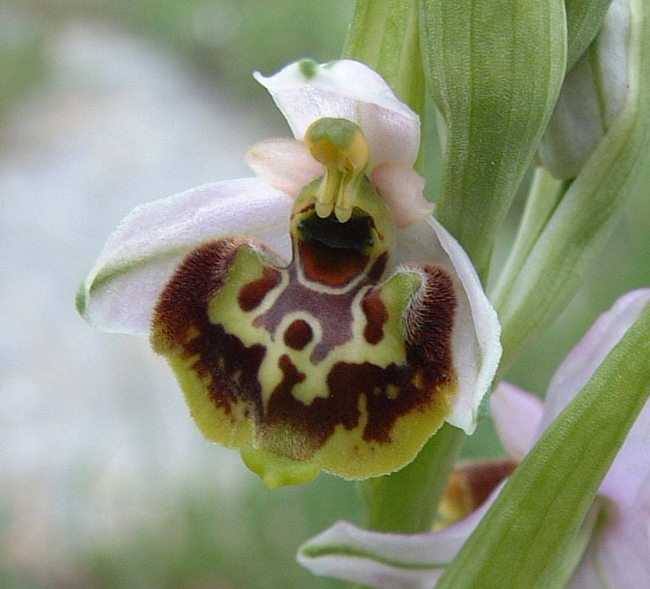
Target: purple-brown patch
298, 335
376, 316
252, 294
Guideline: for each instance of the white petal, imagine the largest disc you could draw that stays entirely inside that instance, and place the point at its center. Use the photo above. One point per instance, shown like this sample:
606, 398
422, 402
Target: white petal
120, 291
305, 92
401, 188
285, 164
476, 347
387, 561
516, 416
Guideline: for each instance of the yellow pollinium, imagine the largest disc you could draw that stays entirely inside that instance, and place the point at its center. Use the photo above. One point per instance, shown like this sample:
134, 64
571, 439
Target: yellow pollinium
340, 146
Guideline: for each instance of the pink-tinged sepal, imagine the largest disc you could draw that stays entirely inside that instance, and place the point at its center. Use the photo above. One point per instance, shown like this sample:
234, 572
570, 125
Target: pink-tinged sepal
122, 288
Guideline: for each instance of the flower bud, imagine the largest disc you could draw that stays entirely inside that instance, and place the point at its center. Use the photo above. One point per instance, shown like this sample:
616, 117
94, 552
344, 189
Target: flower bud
592, 97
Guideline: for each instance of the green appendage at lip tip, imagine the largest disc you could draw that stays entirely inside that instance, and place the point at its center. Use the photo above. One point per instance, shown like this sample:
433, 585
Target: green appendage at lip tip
277, 471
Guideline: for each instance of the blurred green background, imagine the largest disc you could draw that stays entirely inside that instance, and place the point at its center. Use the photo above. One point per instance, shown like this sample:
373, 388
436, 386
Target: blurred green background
196, 529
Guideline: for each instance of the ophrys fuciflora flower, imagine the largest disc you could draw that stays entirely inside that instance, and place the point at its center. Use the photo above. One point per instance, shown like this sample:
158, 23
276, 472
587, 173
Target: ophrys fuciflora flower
316, 317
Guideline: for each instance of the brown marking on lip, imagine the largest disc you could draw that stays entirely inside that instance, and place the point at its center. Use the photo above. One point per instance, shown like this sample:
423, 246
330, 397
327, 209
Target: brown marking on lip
182, 305
429, 323
291, 375
229, 369
252, 294
181, 327
298, 334
334, 267
376, 315
377, 269
389, 394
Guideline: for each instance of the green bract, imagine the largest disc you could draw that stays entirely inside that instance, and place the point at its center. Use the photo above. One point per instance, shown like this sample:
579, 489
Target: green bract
395, 52
494, 71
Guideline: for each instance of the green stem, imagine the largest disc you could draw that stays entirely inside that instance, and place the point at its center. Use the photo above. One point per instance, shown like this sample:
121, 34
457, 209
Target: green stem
406, 501
545, 195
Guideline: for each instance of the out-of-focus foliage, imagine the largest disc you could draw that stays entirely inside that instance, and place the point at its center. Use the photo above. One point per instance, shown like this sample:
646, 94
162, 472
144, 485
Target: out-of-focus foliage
207, 543
229, 39
22, 61
204, 539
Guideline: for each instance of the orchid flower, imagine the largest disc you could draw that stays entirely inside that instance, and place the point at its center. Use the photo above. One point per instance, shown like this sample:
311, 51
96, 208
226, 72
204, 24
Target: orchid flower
316, 316
618, 552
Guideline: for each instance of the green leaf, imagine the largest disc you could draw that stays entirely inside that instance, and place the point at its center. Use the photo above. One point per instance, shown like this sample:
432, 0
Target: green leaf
494, 69
523, 539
